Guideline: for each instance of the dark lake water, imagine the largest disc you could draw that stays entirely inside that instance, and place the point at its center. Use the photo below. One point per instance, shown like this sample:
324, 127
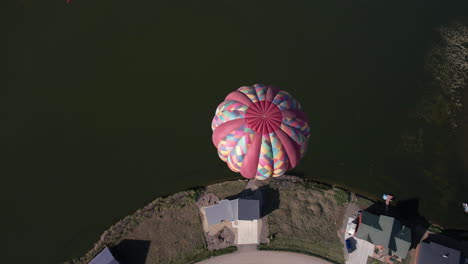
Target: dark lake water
108, 104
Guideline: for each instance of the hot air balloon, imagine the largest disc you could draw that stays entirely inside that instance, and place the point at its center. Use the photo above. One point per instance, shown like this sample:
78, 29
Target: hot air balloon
260, 131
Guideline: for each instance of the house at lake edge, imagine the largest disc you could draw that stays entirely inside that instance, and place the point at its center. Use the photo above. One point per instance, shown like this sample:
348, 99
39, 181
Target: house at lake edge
391, 239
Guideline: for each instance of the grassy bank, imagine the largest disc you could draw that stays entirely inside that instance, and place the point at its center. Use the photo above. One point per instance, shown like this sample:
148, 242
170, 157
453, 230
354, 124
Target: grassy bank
168, 230
305, 221
226, 189
302, 217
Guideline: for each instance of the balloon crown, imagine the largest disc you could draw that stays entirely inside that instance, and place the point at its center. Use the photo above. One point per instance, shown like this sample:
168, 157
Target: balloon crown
260, 131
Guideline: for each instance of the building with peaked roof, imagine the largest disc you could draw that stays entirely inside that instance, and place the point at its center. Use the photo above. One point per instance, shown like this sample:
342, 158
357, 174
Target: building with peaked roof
238, 209
433, 253
386, 233
104, 257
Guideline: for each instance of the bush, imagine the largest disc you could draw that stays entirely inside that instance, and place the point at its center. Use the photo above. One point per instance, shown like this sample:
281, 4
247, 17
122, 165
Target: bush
435, 229
341, 197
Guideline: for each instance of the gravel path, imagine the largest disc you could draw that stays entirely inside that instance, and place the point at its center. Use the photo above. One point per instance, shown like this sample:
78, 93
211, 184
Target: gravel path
262, 256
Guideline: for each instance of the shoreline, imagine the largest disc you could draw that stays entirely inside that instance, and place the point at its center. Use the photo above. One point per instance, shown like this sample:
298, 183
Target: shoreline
132, 221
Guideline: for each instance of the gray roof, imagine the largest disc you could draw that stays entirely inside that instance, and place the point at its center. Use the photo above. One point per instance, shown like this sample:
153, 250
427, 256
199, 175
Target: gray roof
225, 210
249, 209
238, 209
433, 253
385, 231
402, 237
104, 257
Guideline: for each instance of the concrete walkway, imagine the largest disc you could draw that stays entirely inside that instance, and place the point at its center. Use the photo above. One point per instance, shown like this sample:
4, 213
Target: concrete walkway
262, 256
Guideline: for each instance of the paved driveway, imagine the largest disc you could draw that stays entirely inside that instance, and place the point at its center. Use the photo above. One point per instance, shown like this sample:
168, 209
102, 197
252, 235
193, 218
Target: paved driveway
262, 256
247, 232
362, 250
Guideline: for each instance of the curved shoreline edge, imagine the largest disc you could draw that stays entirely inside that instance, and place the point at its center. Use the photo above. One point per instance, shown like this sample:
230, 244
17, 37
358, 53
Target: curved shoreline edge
188, 197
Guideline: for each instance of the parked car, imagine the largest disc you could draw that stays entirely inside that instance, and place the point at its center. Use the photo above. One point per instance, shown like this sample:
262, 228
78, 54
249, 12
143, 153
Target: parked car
349, 245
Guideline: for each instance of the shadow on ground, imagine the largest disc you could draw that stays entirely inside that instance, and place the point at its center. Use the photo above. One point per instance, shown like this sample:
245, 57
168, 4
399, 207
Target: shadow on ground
130, 251
352, 244
268, 197
450, 238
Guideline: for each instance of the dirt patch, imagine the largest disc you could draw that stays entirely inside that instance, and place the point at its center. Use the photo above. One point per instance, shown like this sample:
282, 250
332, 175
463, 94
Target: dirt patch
223, 239
207, 199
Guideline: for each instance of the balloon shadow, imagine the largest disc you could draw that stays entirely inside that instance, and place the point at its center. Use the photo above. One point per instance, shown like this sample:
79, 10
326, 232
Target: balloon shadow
130, 251
269, 198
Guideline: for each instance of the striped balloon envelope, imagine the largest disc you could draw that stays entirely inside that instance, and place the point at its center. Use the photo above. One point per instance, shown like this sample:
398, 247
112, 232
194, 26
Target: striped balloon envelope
260, 131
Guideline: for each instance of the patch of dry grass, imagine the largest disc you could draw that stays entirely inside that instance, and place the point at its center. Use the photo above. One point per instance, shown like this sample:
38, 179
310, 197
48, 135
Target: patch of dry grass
363, 203
341, 196
305, 222
226, 189
175, 233
170, 228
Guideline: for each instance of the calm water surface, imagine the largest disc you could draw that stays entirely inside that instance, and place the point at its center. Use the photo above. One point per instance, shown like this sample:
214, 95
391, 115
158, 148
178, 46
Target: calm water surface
108, 104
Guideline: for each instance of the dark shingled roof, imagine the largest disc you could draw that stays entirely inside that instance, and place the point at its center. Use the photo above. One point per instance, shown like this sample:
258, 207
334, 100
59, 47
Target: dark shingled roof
249, 209
385, 231
104, 257
238, 209
433, 253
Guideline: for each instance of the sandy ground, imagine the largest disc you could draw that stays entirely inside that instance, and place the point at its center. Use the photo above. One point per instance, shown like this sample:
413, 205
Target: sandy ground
261, 256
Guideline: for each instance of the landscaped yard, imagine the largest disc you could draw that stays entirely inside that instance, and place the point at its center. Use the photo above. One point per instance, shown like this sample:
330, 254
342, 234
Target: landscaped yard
306, 220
